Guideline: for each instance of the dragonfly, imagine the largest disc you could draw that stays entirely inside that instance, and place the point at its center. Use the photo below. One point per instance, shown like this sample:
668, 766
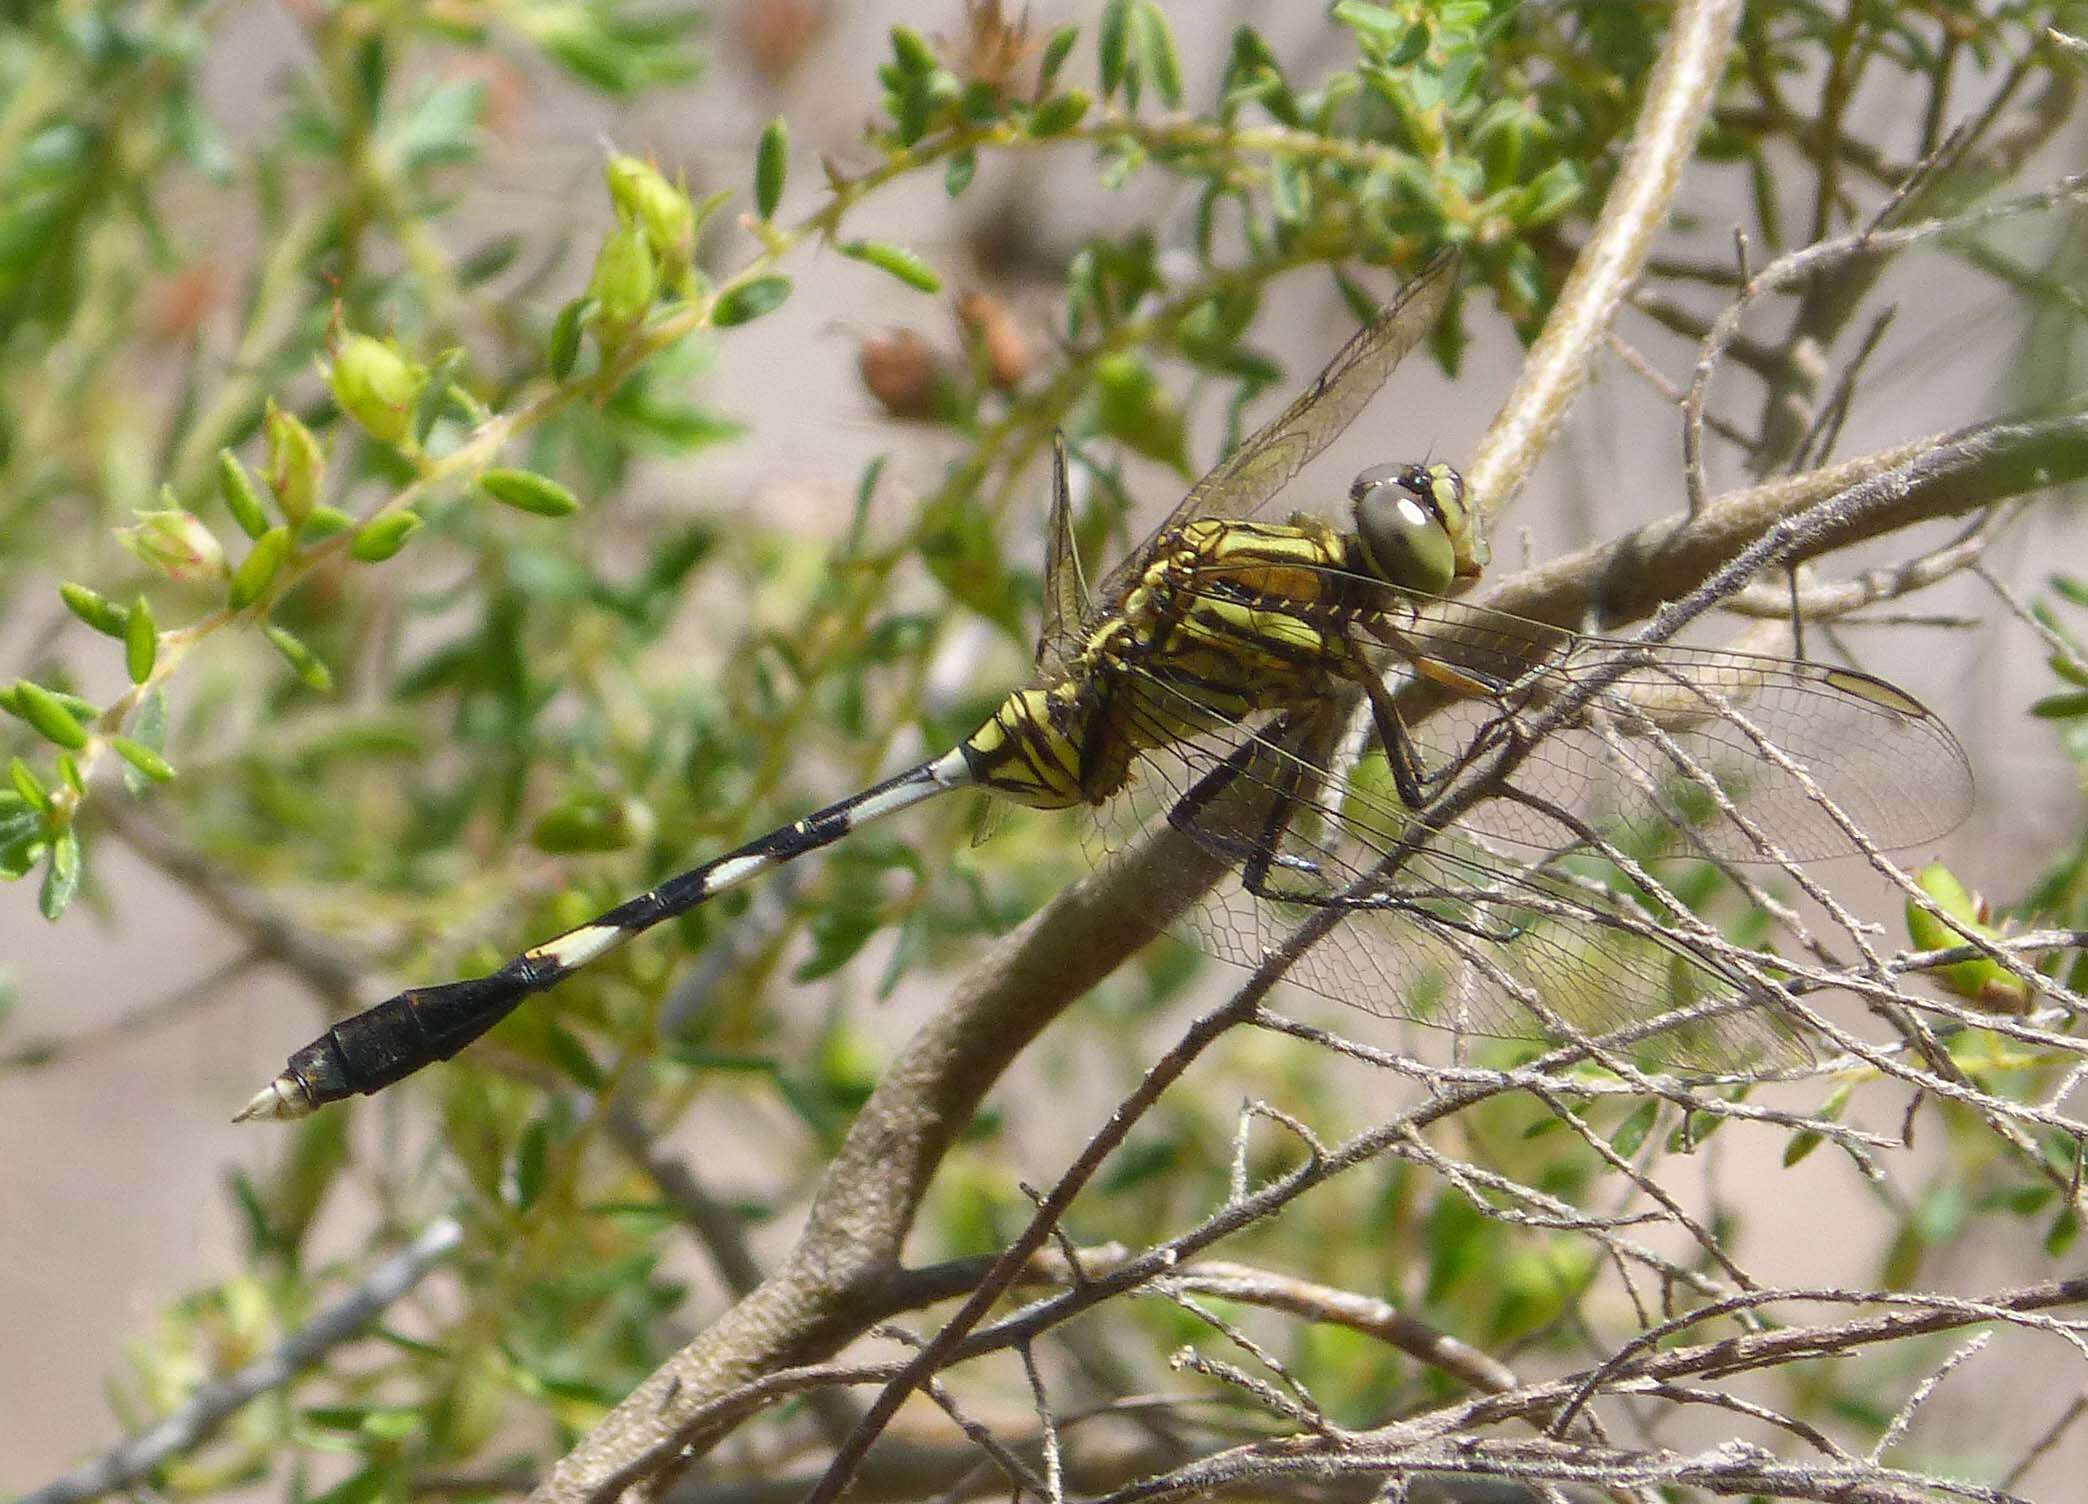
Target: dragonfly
1470, 804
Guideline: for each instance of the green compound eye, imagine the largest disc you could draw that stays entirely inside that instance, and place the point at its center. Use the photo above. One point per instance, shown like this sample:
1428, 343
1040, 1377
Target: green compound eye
1405, 529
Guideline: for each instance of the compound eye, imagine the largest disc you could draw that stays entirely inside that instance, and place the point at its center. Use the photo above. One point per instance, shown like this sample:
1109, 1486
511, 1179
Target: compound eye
1404, 538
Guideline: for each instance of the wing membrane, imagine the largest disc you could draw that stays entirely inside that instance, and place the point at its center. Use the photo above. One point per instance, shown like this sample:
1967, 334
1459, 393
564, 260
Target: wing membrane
1737, 755
1244, 481
1435, 927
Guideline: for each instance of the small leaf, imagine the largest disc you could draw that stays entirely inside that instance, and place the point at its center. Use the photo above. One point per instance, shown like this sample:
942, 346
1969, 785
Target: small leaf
532, 1157
28, 785
61, 874
384, 535
2061, 707
1156, 50
257, 571
435, 393
322, 522
571, 1056
316, 675
897, 260
1060, 114
143, 758
47, 714
1054, 58
241, 499
140, 642
565, 337
1802, 1143
1631, 1133
1112, 43
94, 608
2065, 1228
527, 491
749, 301
958, 175
771, 167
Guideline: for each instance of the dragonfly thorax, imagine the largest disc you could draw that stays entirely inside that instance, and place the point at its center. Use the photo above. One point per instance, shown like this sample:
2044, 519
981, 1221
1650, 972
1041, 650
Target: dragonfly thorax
1413, 529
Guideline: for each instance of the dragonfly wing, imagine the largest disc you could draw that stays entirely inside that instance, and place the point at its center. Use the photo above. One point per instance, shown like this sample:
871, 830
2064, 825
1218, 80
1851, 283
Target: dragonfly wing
1433, 927
1244, 481
1682, 750
1065, 587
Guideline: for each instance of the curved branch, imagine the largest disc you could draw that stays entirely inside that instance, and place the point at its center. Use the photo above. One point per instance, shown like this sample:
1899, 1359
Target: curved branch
1678, 98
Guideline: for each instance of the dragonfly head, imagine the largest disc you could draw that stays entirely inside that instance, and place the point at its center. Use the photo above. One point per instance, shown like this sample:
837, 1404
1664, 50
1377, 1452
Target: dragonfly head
1415, 531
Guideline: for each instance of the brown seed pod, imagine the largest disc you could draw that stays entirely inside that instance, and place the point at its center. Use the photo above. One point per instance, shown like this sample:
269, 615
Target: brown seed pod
901, 371
997, 334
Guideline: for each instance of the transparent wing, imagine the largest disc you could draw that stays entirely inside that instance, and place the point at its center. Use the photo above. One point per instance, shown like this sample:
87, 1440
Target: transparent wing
1435, 927
1241, 483
1065, 586
1667, 750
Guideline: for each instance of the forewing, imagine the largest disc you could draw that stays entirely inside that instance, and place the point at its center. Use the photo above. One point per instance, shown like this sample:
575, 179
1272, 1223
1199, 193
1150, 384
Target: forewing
1668, 750
1673, 750
1245, 480
1065, 587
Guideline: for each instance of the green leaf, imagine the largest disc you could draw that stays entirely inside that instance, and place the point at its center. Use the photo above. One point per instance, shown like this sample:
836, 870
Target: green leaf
1548, 195
527, 491
384, 535
749, 301
241, 499
143, 758
896, 260
2061, 707
1059, 114
1631, 1133
1802, 1143
565, 337
140, 642
1054, 58
315, 674
322, 522
28, 785
1156, 51
913, 54
1112, 44
47, 714
1290, 191
257, 571
532, 1158
94, 608
149, 730
61, 874
571, 1057
771, 167
958, 175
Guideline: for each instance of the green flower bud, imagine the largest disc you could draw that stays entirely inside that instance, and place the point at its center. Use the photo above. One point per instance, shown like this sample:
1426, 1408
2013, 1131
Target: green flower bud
626, 278
296, 464
176, 543
376, 385
646, 199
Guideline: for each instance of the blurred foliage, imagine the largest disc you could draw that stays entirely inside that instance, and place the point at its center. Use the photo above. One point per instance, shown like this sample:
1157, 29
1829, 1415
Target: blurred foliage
361, 590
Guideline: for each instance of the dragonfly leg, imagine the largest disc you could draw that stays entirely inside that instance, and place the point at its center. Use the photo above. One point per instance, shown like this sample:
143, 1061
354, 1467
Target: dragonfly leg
1257, 855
